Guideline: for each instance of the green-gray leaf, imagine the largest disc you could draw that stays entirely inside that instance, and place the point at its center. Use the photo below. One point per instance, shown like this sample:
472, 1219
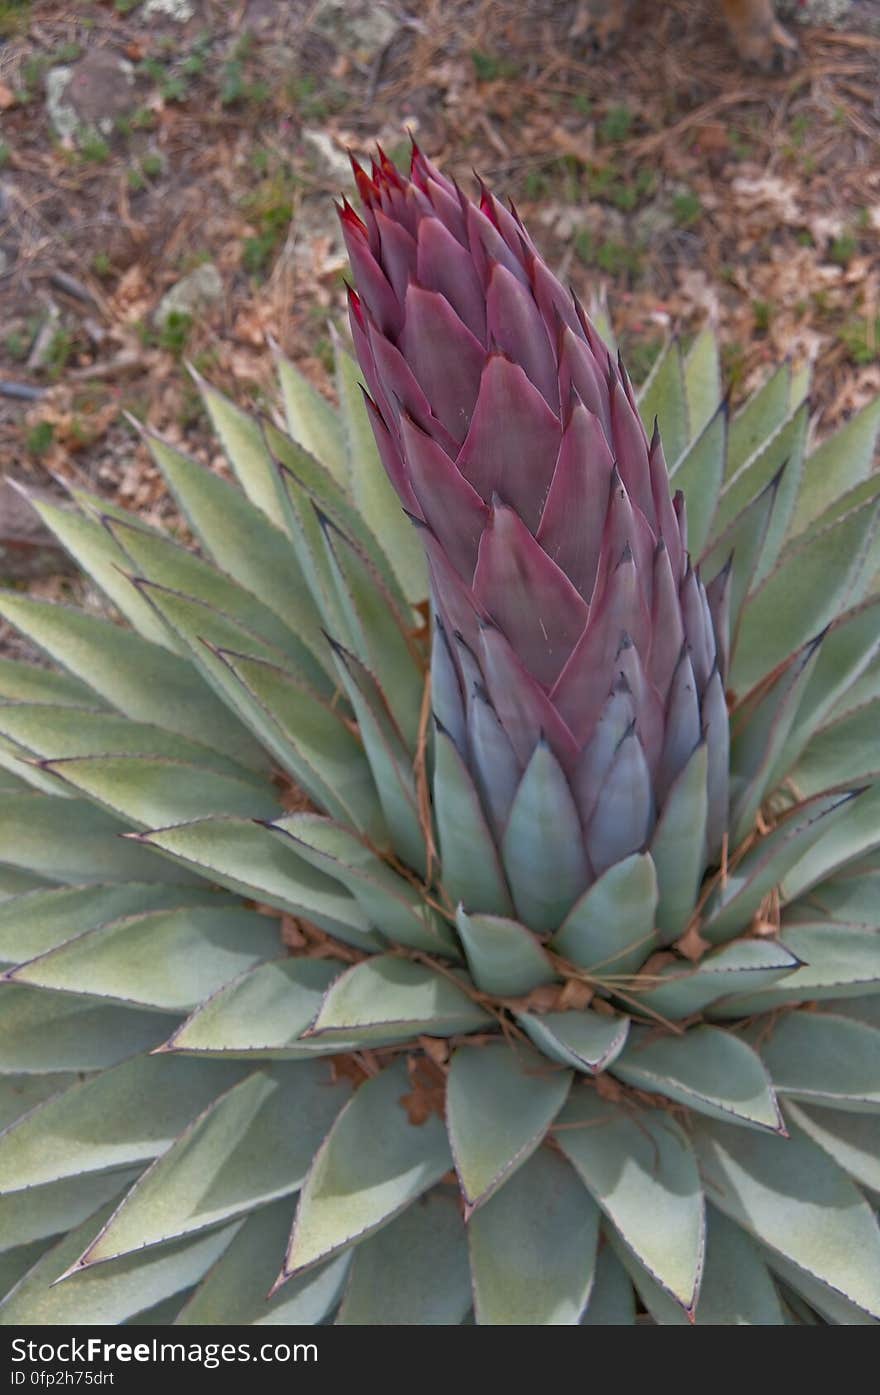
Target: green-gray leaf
412, 1272
706, 1069
643, 1174
254, 1144
533, 1247
793, 1198
500, 1101
371, 1166
386, 999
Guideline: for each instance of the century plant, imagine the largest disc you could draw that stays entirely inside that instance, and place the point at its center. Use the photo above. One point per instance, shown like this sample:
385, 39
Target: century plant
454, 887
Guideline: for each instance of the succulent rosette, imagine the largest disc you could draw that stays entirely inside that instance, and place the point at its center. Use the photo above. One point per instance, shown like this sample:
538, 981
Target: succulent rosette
450, 889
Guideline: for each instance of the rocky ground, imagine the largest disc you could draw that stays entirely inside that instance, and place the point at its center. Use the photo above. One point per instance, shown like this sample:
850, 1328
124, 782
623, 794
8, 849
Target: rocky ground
168, 169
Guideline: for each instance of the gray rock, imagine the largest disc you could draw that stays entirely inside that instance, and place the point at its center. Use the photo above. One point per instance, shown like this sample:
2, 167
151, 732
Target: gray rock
360, 29
62, 115
332, 162
179, 10
815, 11
90, 95
195, 291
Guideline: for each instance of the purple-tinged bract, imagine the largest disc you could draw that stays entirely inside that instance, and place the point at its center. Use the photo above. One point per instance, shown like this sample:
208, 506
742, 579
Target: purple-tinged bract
568, 611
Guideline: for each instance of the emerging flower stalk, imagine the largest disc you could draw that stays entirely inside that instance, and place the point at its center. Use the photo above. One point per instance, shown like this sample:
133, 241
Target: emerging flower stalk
579, 662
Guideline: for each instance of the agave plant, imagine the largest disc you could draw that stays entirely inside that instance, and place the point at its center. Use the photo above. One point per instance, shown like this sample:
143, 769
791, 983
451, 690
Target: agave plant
468, 907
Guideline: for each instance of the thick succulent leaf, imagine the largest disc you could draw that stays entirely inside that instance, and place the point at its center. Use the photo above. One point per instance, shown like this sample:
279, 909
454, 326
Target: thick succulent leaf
664, 396
864, 493
47, 1032
412, 1272
612, 1300
625, 808
304, 486
186, 591
242, 540
759, 418
850, 669
852, 1140
95, 549
213, 637
682, 988
53, 732
843, 461
708, 1070
312, 742
840, 753
302, 522
824, 1059
19, 1094
253, 1144
142, 680
111, 1293
610, 931
678, 847
853, 898
588, 1041
386, 999
835, 1309
500, 1102
148, 791
170, 960
855, 833
378, 630
261, 1015
543, 845
21, 682
393, 906
248, 858
15, 1263
311, 420
801, 382
736, 1289
234, 1289
792, 1197
210, 634
371, 488
37, 921
735, 900
390, 760
533, 1247
836, 962
699, 473
371, 1166
702, 379
18, 776
40, 1212
124, 1116
785, 448
245, 448
865, 1009
69, 840
743, 540
760, 731
447, 701
471, 870
643, 1174
812, 584
504, 957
